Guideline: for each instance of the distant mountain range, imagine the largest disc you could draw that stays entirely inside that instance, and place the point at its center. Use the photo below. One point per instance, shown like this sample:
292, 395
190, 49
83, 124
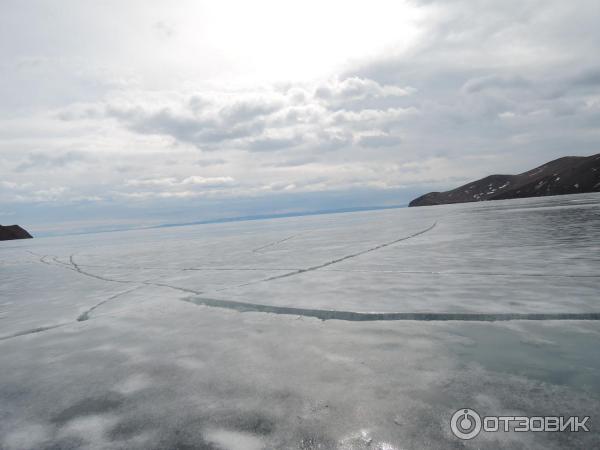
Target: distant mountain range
567, 175
8, 232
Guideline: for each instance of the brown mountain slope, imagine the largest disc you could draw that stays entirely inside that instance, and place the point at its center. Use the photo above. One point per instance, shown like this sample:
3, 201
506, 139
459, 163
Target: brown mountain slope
567, 175
8, 232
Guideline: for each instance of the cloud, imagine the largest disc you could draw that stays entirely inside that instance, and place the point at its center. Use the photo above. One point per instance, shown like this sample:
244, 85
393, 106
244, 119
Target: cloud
589, 78
210, 181
321, 117
480, 85
41, 160
194, 180
273, 143
206, 162
487, 82
356, 88
379, 140
164, 29
248, 110
188, 125
477, 90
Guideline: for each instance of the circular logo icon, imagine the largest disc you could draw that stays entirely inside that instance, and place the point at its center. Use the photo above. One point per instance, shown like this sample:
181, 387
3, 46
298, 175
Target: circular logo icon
465, 424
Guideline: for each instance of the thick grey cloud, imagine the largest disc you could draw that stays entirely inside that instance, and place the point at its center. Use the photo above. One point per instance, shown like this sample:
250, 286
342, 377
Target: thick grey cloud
510, 79
320, 117
189, 125
37, 160
269, 144
380, 140
495, 82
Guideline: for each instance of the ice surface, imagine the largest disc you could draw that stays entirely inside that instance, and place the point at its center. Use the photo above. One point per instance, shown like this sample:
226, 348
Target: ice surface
210, 336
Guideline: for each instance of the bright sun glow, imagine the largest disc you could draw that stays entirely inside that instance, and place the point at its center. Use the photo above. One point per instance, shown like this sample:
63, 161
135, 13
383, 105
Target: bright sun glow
266, 41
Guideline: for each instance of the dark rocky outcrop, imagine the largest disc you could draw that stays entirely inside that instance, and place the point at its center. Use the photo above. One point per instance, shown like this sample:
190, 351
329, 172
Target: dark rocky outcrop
8, 232
567, 175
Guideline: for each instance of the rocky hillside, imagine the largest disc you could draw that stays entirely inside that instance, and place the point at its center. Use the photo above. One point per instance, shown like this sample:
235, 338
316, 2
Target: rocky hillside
8, 232
567, 175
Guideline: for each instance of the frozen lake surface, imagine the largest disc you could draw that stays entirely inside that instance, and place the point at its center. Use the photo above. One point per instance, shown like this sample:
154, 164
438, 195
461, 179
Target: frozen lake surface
213, 336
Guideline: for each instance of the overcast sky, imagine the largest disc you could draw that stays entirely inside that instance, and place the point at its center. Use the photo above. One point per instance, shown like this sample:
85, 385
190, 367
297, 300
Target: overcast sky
120, 113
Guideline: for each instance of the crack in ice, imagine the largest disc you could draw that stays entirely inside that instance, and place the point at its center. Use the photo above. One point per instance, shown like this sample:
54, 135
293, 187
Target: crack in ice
334, 261
86, 315
352, 316
272, 244
495, 274
76, 268
352, 255
318, 313
33, 331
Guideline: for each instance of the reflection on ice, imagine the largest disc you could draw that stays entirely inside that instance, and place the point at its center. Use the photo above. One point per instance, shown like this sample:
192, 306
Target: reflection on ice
363, 441
233, 440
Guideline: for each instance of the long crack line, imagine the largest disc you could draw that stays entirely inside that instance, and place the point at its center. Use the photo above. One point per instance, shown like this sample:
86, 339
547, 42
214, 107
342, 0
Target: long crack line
353, 316
274, 243
332, 262
86, 315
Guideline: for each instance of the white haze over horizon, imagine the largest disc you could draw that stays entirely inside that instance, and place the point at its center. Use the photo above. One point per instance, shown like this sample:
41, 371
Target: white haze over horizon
116, 114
